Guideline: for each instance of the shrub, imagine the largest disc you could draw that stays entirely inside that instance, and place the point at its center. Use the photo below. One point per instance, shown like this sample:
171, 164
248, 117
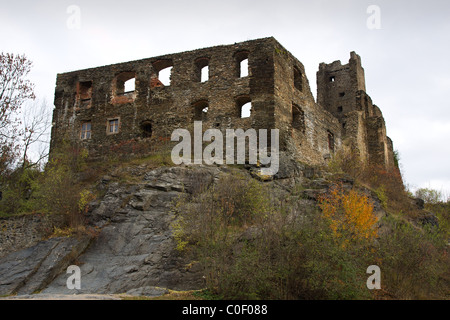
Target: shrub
414, 262
59, 190
17, 191
347, 160
430, 196
350, 215
255, 247
389, 184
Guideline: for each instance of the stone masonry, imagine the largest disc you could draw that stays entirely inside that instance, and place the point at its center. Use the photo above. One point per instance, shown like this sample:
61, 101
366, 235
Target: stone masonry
94, 108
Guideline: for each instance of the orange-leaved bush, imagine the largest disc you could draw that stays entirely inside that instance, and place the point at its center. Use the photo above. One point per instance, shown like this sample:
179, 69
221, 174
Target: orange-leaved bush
350, 215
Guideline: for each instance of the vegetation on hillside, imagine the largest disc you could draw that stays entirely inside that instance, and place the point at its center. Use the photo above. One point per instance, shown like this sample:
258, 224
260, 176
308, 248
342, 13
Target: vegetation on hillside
253, 240
254, 245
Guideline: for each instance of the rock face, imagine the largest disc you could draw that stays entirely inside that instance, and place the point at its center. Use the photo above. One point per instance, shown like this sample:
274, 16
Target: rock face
135, 251
30, 270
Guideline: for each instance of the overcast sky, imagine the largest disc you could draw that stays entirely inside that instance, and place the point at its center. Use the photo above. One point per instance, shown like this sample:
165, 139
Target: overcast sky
405, 59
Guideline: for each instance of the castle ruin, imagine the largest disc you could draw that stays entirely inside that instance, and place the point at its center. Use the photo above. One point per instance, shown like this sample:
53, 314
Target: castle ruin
253, 84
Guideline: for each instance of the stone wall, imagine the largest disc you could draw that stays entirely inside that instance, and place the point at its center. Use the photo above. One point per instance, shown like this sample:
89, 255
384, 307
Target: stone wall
341, 91
95, 109
304, 125
18, 232
153, 110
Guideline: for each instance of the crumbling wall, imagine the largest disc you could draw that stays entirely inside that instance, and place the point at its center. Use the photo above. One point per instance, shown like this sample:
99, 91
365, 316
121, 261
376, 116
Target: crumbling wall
337, 85
96, 109
304, 126
153, 110
341, 91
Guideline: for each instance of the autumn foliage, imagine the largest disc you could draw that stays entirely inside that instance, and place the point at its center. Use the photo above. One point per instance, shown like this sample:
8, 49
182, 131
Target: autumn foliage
350, 215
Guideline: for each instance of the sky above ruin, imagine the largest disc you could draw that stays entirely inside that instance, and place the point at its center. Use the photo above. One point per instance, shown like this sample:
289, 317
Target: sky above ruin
404, 47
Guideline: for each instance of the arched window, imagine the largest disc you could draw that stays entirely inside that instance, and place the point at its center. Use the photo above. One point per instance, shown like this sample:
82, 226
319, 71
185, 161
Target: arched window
129, 85
202, 69
244, 106
163, 69
200, 110
146, 128
242, 67
125, 83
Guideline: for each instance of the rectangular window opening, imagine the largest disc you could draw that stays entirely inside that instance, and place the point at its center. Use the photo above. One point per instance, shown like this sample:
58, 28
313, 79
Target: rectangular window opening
298, 118
84, 91
298, 81
331, 142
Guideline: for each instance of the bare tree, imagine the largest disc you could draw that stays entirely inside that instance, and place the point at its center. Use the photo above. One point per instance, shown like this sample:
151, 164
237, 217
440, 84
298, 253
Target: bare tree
15, 89
36, 131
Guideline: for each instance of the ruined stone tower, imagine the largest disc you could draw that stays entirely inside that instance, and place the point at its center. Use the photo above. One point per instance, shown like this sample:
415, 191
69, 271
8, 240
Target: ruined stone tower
341, 90
95, 109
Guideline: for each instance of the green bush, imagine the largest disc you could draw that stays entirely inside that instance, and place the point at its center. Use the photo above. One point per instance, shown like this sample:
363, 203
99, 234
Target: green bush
18, 190
414, 261
59, 191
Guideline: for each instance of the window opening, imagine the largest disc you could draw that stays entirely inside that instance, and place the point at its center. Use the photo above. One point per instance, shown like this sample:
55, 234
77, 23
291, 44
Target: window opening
202, 69
242, 66
164, 76
298, 82
129, 85
331, 142
201, 110
246, 110
125, 83
146, 128
298, 118
85, 90
113, 126
204, 74
86, 130
244, 105
163, 69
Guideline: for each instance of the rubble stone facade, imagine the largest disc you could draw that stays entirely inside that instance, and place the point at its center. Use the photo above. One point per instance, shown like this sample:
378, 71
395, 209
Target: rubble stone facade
95, 108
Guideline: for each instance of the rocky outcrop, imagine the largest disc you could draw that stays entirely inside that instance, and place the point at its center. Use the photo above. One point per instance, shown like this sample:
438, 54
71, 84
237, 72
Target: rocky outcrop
30, 270
135, 251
